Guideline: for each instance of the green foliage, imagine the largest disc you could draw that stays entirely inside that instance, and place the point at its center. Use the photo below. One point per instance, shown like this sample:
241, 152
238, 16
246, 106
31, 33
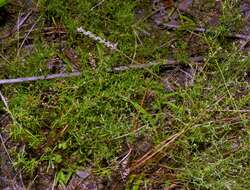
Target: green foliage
63, 176
3, 2
71, 123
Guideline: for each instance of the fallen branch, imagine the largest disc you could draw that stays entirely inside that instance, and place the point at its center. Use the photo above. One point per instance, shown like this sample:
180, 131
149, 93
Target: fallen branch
203, 30
114, 69
28, 79
169, 62
134, 66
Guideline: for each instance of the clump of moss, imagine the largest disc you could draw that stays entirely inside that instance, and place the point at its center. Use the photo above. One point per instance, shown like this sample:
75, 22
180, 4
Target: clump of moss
3, 2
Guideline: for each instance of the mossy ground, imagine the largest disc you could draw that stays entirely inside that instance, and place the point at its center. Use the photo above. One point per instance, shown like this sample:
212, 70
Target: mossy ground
90, 121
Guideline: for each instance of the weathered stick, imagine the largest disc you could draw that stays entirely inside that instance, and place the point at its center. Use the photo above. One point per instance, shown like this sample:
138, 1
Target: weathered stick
28, 79
114, 69
202, 30
150, 64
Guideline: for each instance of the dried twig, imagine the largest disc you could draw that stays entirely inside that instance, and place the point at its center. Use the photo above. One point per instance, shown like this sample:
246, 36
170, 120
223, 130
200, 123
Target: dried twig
28, 79
134, 66
124, 165
150, 64
239, 111
4, 101
75, 74
202, 30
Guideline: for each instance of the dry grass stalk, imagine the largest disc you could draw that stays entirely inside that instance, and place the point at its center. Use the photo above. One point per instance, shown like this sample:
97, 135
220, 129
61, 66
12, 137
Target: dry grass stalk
153, 152
108, 44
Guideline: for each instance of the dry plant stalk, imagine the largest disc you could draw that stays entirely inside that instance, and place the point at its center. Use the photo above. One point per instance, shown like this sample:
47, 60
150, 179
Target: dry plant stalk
203, 30
15, 184
153, 152
108, 44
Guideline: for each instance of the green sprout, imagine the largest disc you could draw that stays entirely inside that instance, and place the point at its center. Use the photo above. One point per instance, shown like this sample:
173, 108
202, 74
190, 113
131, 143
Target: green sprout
3, 2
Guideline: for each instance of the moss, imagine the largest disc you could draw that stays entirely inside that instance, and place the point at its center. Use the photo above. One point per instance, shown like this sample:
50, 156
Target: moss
71, 123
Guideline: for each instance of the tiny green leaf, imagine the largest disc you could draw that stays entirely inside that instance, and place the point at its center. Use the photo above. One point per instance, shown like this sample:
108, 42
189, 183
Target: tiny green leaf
3, 2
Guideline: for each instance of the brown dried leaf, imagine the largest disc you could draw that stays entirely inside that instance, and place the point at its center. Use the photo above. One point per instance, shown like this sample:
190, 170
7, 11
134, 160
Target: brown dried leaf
168, 3
56, 65
73, 58
185, 4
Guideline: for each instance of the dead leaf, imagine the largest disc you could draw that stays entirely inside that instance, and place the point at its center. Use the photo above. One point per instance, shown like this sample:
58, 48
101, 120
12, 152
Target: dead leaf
56, 65
185, 4
73, 58
168, 3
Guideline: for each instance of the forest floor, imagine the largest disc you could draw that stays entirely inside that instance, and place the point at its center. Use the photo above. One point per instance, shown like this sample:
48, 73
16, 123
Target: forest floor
159, 100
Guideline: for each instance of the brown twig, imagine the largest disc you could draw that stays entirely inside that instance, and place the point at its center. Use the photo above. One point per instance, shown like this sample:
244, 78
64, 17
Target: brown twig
75, 74
203, 30
150, 64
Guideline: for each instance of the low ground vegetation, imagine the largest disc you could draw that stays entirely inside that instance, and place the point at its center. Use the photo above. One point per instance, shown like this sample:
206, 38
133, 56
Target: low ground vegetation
168, 126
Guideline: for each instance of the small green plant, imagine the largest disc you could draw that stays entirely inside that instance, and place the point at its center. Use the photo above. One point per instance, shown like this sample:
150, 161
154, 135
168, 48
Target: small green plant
3, 2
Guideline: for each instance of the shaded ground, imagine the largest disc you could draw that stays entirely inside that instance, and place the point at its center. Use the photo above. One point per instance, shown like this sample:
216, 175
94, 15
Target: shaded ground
176, 124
